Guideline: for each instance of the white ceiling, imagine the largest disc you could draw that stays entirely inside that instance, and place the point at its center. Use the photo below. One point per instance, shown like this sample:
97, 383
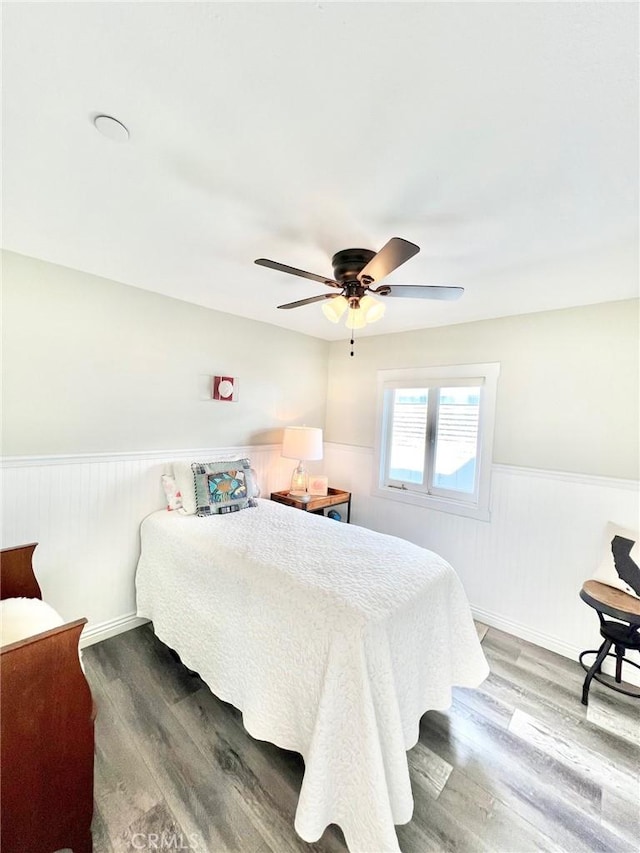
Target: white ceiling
500, 137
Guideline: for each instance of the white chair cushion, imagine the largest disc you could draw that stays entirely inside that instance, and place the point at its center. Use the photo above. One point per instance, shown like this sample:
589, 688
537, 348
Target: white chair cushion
24, 617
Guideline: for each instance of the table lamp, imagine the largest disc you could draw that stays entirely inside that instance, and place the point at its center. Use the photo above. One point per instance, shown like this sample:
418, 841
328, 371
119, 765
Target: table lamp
304, 444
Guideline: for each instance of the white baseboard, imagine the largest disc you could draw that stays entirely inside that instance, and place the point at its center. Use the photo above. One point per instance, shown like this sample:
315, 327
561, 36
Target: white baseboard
103, 630
112, 627
538, 638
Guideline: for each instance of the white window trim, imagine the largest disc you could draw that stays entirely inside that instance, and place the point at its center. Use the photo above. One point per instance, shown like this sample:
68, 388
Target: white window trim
433, 376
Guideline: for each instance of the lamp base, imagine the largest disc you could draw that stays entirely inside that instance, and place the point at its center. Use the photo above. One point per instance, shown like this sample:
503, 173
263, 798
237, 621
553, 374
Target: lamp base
303, 497
299, 482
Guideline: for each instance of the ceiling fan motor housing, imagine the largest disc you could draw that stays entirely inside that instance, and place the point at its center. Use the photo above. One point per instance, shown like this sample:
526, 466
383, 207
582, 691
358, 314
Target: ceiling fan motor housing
348, 263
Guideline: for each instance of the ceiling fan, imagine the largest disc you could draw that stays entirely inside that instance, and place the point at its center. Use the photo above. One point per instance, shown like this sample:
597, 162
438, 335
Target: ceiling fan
355, 272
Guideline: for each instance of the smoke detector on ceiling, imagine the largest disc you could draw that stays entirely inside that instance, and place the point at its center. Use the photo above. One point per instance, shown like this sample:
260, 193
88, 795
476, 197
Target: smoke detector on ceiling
111, 128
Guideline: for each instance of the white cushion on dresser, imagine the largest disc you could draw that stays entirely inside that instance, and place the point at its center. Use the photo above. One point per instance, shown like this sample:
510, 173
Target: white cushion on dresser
24, 617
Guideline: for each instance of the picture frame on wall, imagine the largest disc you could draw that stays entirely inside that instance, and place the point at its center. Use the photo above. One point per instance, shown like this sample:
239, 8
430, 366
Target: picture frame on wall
225, 389
318, 485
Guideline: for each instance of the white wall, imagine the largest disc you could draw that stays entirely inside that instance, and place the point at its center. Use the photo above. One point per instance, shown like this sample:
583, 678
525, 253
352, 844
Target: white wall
568, 393
102, 380
90, 365
565, 459
104, 384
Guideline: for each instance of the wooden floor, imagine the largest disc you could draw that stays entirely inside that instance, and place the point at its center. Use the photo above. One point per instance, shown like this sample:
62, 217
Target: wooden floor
516, 765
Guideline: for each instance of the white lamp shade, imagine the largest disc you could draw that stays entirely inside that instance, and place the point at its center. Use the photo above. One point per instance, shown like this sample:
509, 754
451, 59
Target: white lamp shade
373, 308
334, 308
302, 443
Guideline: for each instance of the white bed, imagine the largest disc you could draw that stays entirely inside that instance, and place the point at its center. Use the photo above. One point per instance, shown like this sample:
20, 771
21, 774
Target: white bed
332, 640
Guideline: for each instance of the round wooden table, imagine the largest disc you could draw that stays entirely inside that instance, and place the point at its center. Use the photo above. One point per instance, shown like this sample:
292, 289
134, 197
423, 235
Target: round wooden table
623, 634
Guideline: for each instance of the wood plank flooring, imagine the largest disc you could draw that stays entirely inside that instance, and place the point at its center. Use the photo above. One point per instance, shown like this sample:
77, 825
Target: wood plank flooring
516, 765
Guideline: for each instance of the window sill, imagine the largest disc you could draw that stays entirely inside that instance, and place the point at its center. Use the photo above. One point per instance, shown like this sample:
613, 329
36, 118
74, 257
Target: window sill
438, 504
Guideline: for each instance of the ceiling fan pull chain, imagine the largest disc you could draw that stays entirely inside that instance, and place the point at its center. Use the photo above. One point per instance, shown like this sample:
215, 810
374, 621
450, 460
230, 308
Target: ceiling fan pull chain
352, 341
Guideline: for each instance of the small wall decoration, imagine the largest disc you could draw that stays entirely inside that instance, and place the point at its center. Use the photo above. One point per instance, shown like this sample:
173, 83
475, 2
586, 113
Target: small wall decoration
318, 485
225, 389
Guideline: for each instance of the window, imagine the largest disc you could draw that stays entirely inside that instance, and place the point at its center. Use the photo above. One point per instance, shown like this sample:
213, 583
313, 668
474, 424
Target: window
435, 436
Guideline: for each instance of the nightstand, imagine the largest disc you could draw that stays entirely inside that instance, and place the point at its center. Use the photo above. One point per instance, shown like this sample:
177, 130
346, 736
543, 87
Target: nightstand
316, 503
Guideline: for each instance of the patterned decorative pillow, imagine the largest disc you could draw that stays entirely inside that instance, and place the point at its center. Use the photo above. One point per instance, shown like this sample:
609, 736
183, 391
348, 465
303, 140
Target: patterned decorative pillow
171, 492
619, 567
183, 475
222, 487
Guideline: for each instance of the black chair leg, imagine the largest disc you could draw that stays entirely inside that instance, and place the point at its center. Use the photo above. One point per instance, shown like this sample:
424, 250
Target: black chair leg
602, 653
619, 657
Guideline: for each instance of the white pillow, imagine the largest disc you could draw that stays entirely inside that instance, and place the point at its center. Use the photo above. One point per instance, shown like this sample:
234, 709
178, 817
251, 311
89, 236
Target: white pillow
619, 567
171, 492
185, 483
183, 475
252, 483
24, 617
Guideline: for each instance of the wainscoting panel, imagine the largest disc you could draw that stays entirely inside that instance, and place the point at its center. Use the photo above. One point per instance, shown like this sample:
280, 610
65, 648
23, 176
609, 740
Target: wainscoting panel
85, 511
523, 569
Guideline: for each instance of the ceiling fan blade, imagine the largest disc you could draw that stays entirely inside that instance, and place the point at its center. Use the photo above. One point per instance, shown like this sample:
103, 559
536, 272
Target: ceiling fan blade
309, 300
274, 265
420, 291
390, 257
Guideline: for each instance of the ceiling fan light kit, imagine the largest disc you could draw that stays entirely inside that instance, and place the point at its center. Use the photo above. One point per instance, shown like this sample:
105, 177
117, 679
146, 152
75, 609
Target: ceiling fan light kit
356, 319
373, 308
334, 309
355, 271
363, 311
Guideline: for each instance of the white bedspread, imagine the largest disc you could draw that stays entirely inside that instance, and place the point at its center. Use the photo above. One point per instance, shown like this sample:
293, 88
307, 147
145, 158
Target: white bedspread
332, 640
